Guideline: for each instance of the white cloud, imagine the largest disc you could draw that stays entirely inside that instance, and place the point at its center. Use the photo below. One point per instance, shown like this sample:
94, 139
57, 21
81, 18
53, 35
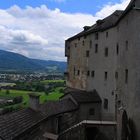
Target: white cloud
40, 32
110, 8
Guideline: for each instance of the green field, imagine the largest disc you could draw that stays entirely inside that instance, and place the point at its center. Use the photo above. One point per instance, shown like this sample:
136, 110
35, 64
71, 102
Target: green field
43, 97
52, 81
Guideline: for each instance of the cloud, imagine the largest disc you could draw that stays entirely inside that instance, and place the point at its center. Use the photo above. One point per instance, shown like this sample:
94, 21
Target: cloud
40, 32
110, 8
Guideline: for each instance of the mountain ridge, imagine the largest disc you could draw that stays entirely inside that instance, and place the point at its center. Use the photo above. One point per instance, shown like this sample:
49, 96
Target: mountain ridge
16, 62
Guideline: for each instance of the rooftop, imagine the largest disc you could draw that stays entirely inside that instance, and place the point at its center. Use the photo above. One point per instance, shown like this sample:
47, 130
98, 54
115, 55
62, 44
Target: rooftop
16, 123
105, 23
82, 96
13, 124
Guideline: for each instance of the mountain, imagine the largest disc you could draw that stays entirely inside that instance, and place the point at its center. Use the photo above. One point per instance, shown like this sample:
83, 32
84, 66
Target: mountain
10, 61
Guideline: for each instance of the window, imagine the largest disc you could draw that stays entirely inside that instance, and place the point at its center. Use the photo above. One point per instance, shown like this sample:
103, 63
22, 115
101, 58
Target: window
87, 53
78, 72
106, 52
106, 34
78, 38
88, 73
92, 111
93, 73
126, 45
90, 44
117, 49
83, 43
96, 36
112, 92
105, 103
96, 48
126, 76
105, 76
75, 45
116, 75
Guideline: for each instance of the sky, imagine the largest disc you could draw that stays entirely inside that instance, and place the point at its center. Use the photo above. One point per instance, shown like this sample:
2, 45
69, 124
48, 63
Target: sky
38, 28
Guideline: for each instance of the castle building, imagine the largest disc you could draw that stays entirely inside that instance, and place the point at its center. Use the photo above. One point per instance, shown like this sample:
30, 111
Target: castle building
102, 98
105, 57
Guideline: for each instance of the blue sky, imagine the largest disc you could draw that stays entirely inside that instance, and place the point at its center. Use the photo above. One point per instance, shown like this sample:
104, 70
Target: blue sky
73, 6
38, 28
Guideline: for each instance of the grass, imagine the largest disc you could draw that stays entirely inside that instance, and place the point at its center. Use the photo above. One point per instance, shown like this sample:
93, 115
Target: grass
43, 97
52, 81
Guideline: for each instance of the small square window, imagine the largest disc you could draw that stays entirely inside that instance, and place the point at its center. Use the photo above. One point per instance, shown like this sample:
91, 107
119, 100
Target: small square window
78, 72
105, 76
106, 34
88, 73
96, 48
116, 75
105, 103
92, 111
106, 52
83, 43
87, 53
126, 76
93, 73
117, 49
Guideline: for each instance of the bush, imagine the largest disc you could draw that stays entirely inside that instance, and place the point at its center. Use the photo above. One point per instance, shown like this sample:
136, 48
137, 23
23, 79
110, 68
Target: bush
18, 99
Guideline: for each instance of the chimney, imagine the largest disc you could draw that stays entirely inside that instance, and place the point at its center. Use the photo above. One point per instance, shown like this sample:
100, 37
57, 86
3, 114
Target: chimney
34, 101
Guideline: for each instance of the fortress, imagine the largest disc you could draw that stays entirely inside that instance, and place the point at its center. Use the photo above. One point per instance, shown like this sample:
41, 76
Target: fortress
106, 57
102, 98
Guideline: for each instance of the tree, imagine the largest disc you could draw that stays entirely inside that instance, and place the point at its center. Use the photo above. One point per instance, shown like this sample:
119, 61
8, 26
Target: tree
7, 91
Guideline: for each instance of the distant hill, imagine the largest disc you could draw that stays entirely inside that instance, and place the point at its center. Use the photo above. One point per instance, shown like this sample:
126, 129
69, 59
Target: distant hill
10, 61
